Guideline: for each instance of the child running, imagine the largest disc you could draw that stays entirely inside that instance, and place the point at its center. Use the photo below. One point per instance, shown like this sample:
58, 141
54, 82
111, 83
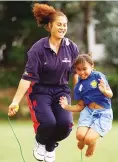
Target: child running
93, 94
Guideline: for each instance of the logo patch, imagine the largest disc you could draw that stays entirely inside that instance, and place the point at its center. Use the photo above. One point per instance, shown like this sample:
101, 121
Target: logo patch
67, 41
26, 73
80, 87
45, 63
93, 84
66, 60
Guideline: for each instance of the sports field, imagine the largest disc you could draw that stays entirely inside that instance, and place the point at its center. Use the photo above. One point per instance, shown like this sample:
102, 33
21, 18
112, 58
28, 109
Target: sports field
107, 148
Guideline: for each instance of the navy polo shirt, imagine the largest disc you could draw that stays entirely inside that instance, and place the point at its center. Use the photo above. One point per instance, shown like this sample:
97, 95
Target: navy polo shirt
45, 67
88, 91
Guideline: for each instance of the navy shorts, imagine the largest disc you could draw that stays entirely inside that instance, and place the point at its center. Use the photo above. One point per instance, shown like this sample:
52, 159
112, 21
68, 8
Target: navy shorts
99, 120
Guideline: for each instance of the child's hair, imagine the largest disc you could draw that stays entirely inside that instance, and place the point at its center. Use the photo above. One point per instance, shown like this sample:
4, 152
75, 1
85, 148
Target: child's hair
45, 13
82, 58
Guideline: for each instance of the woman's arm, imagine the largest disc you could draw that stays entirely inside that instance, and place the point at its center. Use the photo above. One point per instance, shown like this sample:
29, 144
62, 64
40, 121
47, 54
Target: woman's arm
22, 88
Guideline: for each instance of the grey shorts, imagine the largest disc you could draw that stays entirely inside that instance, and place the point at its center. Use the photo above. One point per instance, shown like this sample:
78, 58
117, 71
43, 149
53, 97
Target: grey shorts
99, 120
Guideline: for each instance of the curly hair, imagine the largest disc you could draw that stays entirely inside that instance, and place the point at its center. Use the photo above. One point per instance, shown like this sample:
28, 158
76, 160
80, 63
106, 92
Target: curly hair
45, 13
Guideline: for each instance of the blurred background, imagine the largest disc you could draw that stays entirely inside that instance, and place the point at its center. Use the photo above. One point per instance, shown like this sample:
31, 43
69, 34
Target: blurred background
92, 25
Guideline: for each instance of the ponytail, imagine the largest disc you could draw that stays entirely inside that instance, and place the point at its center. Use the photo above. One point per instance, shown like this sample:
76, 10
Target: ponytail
42, 13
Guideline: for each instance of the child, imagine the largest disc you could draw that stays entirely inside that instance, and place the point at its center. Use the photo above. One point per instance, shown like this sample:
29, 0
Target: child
93, 94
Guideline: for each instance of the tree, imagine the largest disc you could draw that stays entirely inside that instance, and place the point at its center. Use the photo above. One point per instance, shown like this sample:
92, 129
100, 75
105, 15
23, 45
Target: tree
18, 30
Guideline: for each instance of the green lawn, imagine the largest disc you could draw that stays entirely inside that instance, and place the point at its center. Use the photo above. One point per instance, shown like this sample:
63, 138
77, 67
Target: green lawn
107, 148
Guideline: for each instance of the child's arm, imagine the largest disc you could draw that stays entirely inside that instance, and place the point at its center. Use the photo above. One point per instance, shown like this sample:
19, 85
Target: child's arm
105, 90
73, 108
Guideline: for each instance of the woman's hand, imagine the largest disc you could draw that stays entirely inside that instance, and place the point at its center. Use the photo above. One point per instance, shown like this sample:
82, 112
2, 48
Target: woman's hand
13, 109
63, 102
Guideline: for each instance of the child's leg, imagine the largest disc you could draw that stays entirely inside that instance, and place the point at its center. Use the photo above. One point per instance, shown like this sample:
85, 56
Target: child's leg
90, 140
80, 135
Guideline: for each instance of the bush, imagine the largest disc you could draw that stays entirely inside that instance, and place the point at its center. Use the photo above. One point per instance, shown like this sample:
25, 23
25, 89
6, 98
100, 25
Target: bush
9, 77
115, 109
16, 55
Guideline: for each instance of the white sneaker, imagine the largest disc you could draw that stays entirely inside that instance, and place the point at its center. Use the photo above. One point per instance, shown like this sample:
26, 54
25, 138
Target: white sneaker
50, 156
39, 151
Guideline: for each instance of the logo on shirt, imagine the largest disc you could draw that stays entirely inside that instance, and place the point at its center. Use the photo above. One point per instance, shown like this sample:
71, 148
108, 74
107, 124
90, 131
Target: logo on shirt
80, 87
45, 63
93, 84
28, 74
66, 60
67, 41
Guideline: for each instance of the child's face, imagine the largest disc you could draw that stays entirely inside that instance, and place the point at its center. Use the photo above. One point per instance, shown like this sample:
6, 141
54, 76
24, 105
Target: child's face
84, 70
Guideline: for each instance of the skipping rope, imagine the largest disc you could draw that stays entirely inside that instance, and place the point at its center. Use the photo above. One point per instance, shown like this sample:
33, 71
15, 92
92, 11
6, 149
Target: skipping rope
20, 144
81, 156
16, 140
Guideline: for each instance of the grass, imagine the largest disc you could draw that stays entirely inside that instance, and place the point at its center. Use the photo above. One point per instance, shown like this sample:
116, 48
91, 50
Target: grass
67, 151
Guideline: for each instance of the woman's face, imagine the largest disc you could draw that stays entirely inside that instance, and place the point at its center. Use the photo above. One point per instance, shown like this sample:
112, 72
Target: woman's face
58, 28
84, 70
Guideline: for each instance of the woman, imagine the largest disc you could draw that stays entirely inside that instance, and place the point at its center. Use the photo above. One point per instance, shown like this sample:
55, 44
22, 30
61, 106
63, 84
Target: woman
45, 79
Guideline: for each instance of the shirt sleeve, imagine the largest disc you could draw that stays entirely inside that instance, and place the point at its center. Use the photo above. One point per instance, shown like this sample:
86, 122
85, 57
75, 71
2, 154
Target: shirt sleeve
33, 67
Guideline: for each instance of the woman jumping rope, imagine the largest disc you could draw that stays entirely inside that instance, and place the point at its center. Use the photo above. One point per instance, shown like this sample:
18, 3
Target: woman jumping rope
45, 80
93, 94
